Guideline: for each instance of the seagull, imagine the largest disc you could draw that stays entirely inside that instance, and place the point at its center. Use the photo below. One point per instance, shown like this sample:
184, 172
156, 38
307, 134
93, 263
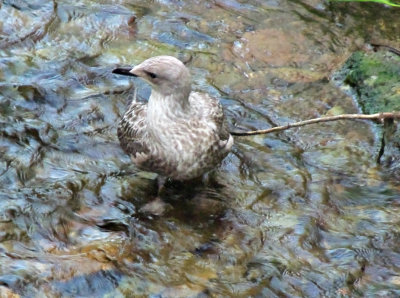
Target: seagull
179, 134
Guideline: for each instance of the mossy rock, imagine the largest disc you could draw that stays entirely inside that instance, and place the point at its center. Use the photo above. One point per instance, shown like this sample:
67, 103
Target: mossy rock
376, 79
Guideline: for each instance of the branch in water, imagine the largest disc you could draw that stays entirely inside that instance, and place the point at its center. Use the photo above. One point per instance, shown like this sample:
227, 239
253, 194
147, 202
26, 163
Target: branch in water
377, 116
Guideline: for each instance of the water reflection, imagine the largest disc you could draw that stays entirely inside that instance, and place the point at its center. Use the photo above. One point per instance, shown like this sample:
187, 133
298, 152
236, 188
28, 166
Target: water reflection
306, 212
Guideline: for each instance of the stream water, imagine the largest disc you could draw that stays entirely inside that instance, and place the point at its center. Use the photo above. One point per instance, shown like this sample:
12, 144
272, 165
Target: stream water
303, 213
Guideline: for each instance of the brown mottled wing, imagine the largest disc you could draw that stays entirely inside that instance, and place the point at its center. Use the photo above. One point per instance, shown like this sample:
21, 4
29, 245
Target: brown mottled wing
221, 122
131, 129
211, 109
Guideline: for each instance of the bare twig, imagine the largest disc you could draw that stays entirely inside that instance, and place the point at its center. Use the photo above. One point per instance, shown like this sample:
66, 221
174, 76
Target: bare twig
389, 48
377, 116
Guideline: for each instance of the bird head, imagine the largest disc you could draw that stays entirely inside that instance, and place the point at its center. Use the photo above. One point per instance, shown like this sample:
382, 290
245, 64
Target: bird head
166, 74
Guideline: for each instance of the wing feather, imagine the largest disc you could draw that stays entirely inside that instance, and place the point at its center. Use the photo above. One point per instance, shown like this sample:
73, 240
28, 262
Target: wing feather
131, 130
210, 108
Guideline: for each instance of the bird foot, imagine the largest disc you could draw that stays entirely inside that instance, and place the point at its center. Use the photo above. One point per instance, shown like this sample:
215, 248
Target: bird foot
156, 207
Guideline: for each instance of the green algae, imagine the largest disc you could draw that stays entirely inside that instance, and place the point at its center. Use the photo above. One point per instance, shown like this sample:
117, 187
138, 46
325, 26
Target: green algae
375, 78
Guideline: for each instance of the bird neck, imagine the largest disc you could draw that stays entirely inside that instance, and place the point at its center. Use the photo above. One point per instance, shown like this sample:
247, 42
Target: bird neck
173, 104
164, 110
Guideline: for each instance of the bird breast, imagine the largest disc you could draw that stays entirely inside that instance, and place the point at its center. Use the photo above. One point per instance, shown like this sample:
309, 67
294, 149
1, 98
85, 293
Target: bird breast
177, 132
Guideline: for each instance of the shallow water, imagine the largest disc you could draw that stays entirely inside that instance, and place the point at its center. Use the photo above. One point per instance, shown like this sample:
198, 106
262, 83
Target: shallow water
306, 212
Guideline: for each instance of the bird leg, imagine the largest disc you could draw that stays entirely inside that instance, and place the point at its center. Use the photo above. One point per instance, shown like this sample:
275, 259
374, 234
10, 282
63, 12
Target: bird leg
157, 206
160, 184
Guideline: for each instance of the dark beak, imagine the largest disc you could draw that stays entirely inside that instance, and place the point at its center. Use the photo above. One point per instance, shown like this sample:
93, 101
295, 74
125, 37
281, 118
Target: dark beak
124, 71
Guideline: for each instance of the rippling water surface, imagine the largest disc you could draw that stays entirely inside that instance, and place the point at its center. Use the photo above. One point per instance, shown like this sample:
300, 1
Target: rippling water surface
306, 212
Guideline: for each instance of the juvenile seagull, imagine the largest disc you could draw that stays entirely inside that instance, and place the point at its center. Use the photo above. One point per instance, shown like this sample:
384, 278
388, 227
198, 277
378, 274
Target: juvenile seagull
179, 133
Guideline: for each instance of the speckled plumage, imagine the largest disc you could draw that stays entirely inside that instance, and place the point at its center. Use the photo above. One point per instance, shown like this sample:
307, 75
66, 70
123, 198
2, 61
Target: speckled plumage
179, 133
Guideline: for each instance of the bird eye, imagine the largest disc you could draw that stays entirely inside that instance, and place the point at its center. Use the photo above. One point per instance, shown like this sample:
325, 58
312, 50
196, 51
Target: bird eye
151, 74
